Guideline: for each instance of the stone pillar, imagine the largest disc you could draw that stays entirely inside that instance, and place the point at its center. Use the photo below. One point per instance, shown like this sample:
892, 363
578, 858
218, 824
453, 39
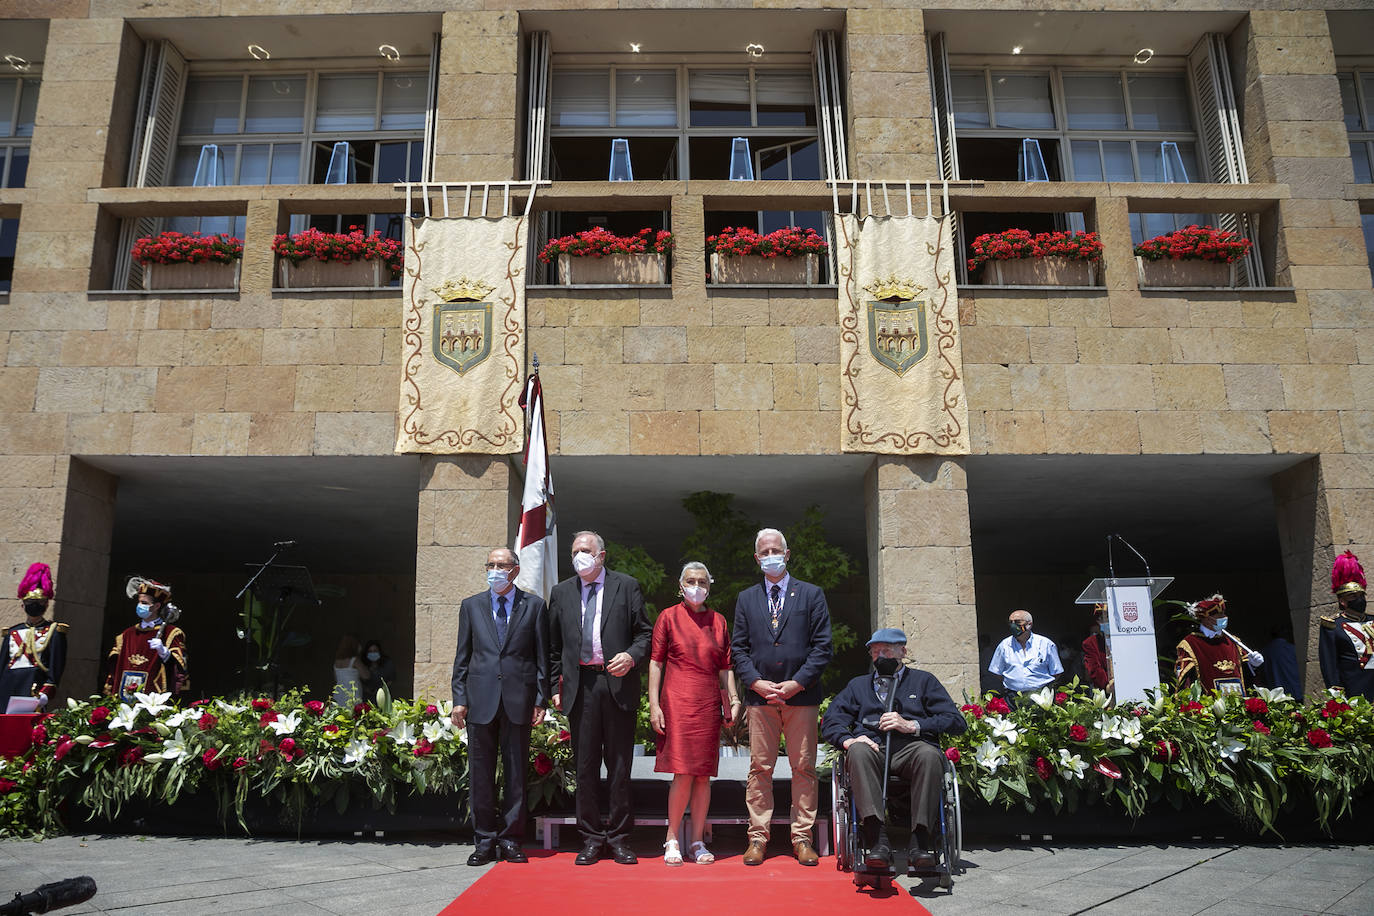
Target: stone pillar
82, 574
1304, 519
475, 121
463, 514
890, 131
920, 560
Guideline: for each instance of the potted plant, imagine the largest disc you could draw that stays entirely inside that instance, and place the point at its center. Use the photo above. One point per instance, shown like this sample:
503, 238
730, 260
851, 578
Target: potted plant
313, 258
1015, 257
174, 260
741, 255
599, 256
1192, 256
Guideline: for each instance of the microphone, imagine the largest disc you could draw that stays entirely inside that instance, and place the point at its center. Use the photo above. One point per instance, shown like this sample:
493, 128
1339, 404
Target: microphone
284, 544
56, 895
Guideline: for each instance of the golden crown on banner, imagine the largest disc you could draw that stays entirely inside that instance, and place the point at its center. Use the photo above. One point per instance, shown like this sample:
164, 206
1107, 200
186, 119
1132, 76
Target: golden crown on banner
903, 288
463, 290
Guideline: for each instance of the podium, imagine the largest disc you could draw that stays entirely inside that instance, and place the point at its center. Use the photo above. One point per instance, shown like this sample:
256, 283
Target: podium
1131, 630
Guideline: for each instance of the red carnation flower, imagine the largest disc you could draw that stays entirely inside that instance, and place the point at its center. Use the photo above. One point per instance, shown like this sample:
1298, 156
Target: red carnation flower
1256, 706
1165, 751
999, 706
1078, 733
99, 716
268, 718
1061, 698
359, 709
331, 729
972, 709
7, 786
314, 707
211, 758
1260, 727
1191, 706
543, 764
1107, 768
206, 722
1043, 768
1318, 737
1333, 708
262, 705
423, 748
431, 710
40, 735
952, 754
130, 756
287, 746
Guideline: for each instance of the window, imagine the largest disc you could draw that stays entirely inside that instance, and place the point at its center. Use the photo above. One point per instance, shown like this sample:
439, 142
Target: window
680, 121
18, 102
1107, 125
1357, 98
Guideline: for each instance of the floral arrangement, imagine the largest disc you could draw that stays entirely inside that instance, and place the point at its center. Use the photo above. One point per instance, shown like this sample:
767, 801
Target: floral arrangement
1195, 243
1252, 754
295, 752
179, 248
353, 245
598, 242
1014, 244
791, 242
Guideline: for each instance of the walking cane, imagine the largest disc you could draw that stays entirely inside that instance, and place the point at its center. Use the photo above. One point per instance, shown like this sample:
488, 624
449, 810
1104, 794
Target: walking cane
887, 740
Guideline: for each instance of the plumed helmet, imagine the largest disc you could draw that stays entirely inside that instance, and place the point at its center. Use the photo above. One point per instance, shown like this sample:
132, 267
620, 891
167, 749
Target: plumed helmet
141, 586
1347, 575
37, 583
1207, 605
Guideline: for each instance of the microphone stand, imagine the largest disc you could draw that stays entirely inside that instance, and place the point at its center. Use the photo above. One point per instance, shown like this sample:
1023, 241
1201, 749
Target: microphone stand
247, 636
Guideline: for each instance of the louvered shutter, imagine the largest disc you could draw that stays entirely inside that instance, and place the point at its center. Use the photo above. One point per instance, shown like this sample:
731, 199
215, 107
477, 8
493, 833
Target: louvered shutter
537, 107
826, 71
942, 111
431, 113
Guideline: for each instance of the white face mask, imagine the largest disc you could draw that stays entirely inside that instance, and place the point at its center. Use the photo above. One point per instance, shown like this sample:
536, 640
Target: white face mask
583, 561
498, 578
694, 594
374, 656
773, 564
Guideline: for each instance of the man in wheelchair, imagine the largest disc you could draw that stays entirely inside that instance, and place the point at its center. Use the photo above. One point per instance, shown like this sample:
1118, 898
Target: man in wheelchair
901, 712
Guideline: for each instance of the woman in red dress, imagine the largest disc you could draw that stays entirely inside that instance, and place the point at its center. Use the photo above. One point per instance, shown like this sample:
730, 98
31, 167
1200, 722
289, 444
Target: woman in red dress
690, 682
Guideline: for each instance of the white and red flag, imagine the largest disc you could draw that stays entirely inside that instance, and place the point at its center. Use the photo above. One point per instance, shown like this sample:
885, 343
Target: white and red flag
538, 539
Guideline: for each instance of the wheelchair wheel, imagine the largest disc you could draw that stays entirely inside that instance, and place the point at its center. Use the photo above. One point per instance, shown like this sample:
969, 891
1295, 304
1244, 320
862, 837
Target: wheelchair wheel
953, 824
839, 818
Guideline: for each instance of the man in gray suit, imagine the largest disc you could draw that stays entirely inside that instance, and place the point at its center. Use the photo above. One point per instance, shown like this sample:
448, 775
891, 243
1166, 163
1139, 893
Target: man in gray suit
500, 682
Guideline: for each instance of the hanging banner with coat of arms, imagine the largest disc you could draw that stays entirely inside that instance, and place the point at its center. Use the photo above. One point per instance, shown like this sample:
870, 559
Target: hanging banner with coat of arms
901, 374
463, 336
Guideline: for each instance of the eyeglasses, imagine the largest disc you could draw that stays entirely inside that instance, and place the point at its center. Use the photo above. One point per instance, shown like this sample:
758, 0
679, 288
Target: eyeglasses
500, 566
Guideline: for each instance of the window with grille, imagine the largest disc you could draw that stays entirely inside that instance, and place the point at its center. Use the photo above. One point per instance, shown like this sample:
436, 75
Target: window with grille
18, 102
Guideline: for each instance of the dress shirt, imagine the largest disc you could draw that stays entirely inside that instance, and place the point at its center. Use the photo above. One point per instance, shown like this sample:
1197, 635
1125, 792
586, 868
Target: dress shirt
782, 584
598, 657
495, 603
1026, 668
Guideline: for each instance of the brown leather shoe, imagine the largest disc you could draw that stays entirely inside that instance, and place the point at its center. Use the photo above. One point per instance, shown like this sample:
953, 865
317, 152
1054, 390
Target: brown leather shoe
754, 854
806, 853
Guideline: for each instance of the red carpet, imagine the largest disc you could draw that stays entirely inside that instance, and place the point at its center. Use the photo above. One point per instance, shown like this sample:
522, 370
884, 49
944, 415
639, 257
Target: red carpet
551, 883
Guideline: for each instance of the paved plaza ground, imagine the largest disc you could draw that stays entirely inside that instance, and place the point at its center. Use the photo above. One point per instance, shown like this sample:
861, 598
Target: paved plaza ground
421, 875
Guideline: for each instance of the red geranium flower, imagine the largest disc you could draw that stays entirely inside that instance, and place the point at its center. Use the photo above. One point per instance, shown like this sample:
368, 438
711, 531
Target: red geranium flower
1078, 733
1256, 706
1318, 737
314, 707
999, 706
206, 722
40, 735
1043, 768
952, 754
99, 716
1107, 768
543, 764
972, 709
1165, 751
1333, 708
1260, 727
268, 718
211, 758
262, 705
1191, 706
1061, 698
423, 748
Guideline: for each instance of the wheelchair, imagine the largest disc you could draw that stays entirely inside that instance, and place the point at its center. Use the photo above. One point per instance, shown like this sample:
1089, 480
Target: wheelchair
848, 843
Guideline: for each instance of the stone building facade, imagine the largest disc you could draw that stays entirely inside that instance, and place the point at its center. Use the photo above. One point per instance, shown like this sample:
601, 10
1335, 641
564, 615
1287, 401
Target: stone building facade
164, 434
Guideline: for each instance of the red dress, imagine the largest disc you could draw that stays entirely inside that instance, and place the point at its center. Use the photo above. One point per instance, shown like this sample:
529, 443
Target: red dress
693, 647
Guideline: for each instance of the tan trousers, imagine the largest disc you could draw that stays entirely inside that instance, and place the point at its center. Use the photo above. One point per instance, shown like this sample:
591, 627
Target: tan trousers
798, 724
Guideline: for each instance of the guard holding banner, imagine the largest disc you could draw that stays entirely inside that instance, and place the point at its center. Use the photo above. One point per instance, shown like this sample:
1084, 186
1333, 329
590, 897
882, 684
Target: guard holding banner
150, 656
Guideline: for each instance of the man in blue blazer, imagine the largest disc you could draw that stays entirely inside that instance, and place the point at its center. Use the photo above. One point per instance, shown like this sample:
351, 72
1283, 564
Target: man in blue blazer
781, 645
500, 682
598, 641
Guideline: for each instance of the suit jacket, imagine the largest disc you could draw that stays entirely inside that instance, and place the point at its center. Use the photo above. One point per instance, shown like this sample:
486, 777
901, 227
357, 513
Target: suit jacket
918, 695
489, 676
624, 628
799, 651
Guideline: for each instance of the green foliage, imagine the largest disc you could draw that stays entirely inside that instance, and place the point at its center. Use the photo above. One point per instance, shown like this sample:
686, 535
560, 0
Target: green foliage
723, 539
814, 558
636, 562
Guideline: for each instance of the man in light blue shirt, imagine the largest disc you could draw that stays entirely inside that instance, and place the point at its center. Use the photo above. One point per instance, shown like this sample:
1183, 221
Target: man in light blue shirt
1025, 660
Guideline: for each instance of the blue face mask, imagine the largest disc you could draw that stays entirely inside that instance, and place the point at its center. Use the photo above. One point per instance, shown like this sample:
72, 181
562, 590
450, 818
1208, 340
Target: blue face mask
144, 611
1221, 623
498, 579
773, 564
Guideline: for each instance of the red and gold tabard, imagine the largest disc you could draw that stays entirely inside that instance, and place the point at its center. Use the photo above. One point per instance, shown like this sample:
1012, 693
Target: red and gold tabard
1216, 662
135, 666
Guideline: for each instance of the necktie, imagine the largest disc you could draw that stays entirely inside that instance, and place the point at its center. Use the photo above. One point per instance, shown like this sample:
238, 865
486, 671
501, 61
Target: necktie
501, 622
588, 621
775, 605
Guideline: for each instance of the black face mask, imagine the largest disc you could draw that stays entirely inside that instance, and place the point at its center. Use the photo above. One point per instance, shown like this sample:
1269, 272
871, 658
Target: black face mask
886, 666
35, 608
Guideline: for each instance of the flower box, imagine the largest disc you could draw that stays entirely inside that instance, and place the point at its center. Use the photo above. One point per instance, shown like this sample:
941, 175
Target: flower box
1048, 271
1168, 272
185, 275
757, 270
313, 274
617, 269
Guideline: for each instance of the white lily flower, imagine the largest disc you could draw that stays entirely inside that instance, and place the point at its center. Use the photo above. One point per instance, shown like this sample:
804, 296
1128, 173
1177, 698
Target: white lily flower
1131, 733
285, 725
231, 708
154, 702
1273, 694
549, 717
987, 756
1071, 766
1229, 748
1219, 706
463, 736
403, 733
1110, 727
1043, 698
1101, 698
437, 730
357, 750
1004, 728
175, 747
125, 717
180, 718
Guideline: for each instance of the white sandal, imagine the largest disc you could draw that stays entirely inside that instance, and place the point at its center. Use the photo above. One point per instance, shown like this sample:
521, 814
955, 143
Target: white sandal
700, 854
671, 854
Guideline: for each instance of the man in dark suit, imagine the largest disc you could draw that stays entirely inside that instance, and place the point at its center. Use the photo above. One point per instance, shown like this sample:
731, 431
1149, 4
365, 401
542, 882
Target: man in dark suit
500, 681
859, 722
598, 640
781, 645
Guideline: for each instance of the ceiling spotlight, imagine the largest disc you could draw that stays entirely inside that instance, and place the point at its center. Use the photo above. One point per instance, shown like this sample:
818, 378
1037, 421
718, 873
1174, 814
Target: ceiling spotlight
259, 52
634, 47
1016, 50
389, 52
1143, 55
17, 62
754, 49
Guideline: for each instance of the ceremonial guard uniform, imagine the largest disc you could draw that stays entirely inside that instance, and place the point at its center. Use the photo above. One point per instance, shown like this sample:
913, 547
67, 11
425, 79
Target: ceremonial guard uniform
1346, 645
1210, 657
149, 657
36, 650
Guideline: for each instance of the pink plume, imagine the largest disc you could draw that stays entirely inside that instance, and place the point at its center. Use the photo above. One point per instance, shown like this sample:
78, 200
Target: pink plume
38, 578
1346, 569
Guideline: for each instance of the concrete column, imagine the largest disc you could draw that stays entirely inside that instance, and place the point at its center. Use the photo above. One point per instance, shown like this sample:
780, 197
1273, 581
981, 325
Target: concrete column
890, 131
920, 560
464, 512
1304, 518
475, 129
82, 573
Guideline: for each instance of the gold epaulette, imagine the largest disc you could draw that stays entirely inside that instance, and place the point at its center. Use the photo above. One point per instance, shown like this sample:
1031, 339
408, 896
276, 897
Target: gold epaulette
62, 627
1330, 623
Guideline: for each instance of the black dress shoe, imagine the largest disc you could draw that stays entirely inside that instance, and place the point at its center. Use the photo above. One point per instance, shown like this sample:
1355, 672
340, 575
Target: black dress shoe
484, 854
623, 854
511, 851
879, 857
589, 854
920, 860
